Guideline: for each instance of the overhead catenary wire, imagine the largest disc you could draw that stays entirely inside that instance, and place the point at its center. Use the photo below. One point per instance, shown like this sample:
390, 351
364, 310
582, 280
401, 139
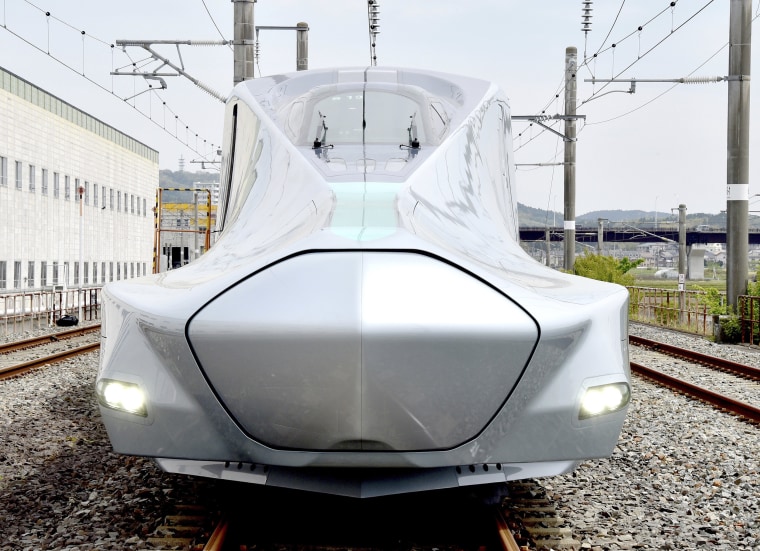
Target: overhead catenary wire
603, 50
87, 36
215, 25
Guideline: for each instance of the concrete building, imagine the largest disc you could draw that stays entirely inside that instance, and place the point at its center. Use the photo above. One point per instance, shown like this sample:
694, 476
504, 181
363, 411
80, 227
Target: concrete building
49, 151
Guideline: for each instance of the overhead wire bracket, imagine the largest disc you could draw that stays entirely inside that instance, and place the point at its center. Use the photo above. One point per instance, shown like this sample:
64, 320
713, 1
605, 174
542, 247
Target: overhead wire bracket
539, 120
166, 62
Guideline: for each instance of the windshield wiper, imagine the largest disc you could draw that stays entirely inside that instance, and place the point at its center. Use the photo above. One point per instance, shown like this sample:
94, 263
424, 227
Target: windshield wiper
414, 143
320, 141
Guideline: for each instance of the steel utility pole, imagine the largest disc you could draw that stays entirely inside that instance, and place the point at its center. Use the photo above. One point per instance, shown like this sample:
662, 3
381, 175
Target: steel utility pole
244, 41
571, 93
302, 46
737, 204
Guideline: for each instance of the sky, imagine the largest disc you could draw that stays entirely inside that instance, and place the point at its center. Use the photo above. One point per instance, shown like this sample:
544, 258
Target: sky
651, 150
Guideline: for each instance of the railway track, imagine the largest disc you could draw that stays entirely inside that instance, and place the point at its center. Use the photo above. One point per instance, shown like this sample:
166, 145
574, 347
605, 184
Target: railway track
20, 357
747, 371
735, 405
6, 348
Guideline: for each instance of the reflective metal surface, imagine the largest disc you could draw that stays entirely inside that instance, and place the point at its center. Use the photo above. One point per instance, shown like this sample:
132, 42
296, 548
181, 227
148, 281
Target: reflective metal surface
366, 353
367, 322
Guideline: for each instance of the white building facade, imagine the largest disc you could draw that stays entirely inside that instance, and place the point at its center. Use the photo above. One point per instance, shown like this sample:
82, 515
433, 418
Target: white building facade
49, 150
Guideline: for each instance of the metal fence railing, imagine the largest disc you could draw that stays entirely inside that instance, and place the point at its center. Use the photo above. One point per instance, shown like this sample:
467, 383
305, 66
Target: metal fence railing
35, 310
749, 315
685, 310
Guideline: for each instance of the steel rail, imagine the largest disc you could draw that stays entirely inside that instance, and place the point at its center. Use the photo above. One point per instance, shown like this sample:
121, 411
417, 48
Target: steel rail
217, 539
47, 339
746, 411
21, 368
711, 361
506, 537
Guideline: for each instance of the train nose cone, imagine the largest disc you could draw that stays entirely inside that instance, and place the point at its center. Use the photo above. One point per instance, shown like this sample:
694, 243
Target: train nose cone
362, 351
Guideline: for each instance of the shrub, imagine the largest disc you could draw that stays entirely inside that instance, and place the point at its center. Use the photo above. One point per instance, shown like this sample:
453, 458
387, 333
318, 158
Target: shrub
605, 268
730, 329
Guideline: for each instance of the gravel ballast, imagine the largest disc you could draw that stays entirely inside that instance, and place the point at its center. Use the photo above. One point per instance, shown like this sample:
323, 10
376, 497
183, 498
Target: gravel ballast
683, 475
61, 486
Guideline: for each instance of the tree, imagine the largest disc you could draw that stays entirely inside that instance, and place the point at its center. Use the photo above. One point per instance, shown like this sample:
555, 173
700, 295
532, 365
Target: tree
606, 268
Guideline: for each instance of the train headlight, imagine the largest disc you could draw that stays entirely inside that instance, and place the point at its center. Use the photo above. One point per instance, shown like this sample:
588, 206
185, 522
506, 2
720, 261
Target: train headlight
122, 396
599, 400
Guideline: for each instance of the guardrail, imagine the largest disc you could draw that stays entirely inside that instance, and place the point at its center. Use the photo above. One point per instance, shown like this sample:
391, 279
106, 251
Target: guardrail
35, 310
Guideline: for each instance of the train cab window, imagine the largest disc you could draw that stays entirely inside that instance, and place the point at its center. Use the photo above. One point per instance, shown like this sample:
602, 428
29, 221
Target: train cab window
365, 116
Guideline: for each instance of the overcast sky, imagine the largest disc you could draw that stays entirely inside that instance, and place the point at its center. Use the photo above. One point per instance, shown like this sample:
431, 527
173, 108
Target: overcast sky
663, 145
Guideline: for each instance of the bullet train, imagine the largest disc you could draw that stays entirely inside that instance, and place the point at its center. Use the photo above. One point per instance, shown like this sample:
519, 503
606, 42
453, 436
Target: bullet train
366, 323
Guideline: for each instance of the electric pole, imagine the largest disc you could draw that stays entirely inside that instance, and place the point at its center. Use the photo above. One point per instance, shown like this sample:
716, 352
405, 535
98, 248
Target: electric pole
243, 41
302, 46
571, 88
737, 204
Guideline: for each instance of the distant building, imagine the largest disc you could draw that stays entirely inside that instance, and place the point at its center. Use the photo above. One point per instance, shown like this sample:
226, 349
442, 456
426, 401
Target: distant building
186, 220
49, 150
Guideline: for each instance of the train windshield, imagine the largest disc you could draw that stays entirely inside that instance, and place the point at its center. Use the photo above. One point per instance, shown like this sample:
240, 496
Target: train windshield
366, 116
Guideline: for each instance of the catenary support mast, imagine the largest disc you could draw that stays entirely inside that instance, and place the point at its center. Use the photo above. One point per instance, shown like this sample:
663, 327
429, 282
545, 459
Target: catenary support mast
737, 204
244, 40
571, 96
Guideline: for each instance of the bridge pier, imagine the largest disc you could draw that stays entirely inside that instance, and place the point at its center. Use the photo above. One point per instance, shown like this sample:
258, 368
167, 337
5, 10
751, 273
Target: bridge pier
696, 263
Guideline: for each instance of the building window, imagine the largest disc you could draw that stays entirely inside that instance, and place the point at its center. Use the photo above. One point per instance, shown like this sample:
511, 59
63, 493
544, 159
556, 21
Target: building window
76, 190
56, 185
138, 206
132, 204
145, 210
66, 273
17, 274
86, 192
110, 269
118, 271
30, 274
86, 273
32, 178
43, 273
3, 171
3, 275
44, 181
102, 272
94, 269
103, 195
55, 273
118, 201
95, 195
67, 188
110, 198
76, 273
132, 269
18, 174
126, 209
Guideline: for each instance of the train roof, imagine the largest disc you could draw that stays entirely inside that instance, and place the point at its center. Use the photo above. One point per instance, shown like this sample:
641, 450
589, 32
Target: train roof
338, 113
288, 99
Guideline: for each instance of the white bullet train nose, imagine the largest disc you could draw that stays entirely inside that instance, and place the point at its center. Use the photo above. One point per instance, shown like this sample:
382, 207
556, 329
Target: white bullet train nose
363, 351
